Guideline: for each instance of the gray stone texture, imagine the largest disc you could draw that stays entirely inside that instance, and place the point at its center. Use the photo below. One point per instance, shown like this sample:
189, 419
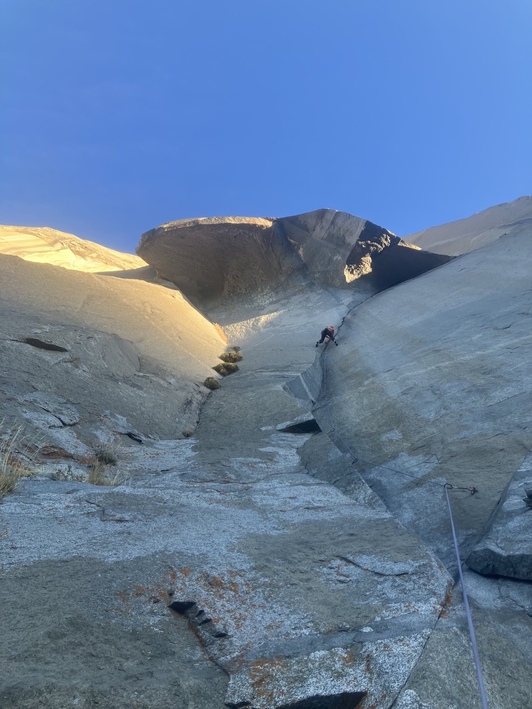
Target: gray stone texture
233, 563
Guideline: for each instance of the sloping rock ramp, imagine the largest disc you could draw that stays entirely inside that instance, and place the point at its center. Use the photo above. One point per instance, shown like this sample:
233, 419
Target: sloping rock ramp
472, 233
57, 248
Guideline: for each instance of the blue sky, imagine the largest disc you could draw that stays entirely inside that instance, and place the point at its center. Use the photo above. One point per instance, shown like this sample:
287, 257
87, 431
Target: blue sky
119, 115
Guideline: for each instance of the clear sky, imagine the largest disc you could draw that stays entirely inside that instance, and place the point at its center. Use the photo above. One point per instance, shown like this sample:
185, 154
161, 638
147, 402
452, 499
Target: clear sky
119, 115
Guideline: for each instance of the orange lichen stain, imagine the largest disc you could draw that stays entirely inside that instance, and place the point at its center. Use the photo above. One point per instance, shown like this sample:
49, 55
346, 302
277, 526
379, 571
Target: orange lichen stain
260, 673
446, 601
158, 591
227, 588
123, 596
139, 591
348, 658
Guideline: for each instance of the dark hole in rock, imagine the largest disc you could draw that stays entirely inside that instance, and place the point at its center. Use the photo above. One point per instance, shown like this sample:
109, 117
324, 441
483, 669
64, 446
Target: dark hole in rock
345, 700
181, 606
238, 705
310, 426
34, 342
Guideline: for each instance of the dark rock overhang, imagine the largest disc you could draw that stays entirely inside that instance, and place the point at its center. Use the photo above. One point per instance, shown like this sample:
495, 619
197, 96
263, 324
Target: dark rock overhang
226, 258
386, 260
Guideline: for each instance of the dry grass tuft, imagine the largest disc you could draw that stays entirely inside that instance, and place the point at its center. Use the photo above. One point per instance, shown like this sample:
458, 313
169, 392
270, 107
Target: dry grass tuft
99, 475
99, 468
106, 455
16, 458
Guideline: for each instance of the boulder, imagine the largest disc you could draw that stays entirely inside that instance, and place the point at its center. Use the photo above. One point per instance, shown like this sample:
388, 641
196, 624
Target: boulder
506, 548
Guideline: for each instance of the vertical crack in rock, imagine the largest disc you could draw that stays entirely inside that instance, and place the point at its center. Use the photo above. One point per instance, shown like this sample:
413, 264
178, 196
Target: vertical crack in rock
198, 619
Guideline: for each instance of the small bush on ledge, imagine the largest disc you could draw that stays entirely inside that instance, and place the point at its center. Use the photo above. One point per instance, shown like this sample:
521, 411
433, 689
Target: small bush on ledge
105, 455
226, 368
212, 383
99, 474
231, 357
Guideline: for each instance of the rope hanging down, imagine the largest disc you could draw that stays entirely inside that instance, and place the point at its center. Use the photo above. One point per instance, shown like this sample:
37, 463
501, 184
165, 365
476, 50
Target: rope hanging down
467, 609
447, 486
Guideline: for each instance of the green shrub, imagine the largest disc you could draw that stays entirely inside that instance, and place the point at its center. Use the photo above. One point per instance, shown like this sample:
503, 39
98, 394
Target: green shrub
212, 383
226, 368
231, 357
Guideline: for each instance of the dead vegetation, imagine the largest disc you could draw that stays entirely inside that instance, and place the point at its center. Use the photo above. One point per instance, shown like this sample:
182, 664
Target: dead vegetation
106, 455
95, 469
100, 472
16, 458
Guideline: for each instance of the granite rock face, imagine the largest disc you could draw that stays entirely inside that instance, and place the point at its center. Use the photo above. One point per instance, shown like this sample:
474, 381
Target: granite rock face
103, 344
43, 245
293, 550
506, 548
434, 386
483, 228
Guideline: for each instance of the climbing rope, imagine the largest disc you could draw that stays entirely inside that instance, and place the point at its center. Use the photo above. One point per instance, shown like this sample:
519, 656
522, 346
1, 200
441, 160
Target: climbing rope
447, 486
467, 609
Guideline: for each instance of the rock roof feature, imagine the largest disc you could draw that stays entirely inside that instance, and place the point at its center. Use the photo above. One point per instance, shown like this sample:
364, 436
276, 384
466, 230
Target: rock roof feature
218, 260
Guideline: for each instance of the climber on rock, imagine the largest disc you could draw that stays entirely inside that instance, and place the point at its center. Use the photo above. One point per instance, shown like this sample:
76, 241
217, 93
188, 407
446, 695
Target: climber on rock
327, 334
